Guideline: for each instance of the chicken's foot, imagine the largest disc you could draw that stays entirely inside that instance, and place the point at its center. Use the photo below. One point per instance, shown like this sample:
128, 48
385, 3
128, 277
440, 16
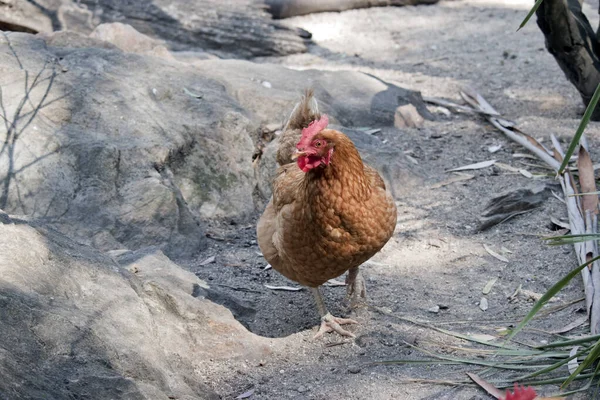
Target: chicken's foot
329, 323
356, 290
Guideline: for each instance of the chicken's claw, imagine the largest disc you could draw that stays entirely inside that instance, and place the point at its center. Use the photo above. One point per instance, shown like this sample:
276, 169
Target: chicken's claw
329, 323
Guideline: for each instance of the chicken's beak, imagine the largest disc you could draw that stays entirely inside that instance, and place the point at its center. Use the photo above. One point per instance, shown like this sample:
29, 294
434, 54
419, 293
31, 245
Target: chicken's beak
297, 154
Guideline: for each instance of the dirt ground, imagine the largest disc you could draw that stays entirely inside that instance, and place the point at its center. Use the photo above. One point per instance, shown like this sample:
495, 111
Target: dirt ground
436, 256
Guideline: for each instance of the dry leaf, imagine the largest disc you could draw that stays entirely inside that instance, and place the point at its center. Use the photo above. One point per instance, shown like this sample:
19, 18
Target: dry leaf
488, 286
334, 283
572, 325
573, 364
458, 177
506, 167
587, 181
560, 223
245, 395
285, 288
483, 337
526, 173
494, 254
485, 385
209, 260
411, 159
523, 155
479, 165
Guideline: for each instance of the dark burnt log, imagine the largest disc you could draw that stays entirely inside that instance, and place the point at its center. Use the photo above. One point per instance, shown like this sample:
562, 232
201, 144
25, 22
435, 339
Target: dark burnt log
573, 43
292, 8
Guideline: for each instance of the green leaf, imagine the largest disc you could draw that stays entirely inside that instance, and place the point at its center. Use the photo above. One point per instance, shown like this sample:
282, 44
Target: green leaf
548, 295
530, 13
584, 121
570, 239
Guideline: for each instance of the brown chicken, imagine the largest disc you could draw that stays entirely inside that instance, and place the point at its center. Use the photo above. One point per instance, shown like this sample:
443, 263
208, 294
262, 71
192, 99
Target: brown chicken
329, 212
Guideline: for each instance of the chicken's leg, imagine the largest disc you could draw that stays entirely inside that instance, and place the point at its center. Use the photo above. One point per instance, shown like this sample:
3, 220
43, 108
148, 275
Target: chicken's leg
329, 323
356, 290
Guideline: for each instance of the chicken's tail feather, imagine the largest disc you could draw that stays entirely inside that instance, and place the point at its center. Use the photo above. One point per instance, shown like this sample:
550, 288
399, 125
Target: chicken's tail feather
305, 112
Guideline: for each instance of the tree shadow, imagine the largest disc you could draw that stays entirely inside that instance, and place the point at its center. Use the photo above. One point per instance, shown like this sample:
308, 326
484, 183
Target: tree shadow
17, 124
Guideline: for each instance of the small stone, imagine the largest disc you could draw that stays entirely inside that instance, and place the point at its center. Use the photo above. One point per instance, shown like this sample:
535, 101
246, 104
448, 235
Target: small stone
302, 389
354, 369
267, 84
434, 309
483, 304
407, 116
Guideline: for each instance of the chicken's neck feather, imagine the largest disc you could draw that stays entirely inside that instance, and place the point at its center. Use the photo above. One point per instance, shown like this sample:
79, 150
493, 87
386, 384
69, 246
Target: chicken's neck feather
344, 178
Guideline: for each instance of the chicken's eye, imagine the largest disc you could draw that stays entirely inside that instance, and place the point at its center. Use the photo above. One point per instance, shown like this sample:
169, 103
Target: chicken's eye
318, 143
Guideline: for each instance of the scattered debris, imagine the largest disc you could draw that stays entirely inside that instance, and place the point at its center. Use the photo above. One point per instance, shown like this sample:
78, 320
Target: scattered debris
457, 177
488, 286
479, 165
209, 260
494, 254
285, 288
531, 295
483, 304
267, 267
513, 297
267, 84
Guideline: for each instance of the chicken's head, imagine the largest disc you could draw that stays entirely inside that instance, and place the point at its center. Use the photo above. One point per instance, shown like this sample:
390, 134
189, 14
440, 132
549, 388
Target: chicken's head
313, 151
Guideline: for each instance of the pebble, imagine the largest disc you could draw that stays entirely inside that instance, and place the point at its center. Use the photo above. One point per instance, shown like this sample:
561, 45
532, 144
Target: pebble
354, 369
434, 309
302, 389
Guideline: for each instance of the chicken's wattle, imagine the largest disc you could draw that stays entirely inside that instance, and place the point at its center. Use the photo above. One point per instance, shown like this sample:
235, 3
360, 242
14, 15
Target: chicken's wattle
306, 163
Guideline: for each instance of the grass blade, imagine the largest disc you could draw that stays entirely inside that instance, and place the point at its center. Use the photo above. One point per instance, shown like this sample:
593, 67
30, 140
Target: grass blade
571, 239
582, 125
530, 13
548, 295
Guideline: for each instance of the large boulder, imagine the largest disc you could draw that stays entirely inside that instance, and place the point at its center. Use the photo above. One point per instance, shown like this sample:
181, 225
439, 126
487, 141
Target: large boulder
116, 148
76, 323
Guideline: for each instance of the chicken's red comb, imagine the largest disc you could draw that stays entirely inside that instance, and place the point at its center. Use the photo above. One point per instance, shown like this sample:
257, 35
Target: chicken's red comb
521, 393
311, 130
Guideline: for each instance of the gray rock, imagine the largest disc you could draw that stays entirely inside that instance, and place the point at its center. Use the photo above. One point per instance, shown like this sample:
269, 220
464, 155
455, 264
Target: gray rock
237, 27
75, 324
114, 153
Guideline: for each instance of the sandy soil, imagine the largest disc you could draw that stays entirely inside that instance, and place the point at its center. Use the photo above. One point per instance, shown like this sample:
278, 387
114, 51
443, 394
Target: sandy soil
436, 257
